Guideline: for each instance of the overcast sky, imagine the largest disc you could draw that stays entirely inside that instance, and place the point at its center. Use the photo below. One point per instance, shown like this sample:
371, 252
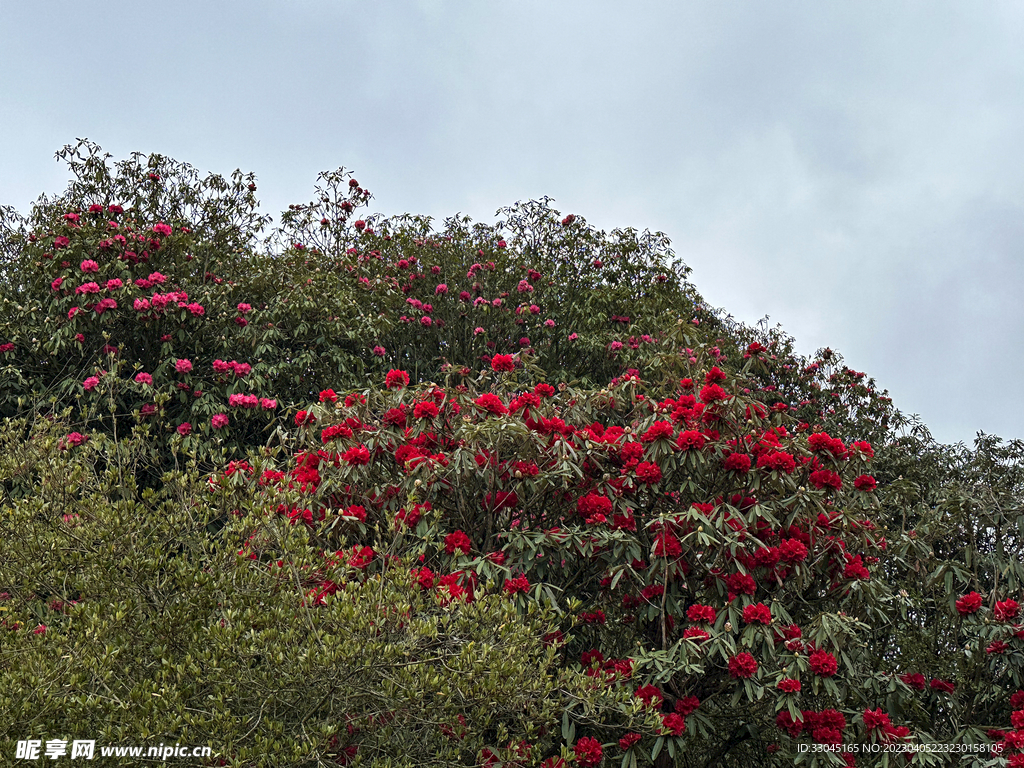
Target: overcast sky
854, 170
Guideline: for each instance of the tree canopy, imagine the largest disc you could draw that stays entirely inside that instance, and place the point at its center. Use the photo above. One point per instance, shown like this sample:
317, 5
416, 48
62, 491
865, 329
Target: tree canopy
360, 489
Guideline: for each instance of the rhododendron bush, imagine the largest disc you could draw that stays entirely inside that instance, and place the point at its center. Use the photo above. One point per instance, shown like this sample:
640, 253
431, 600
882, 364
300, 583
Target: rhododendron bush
537, 501
126, 622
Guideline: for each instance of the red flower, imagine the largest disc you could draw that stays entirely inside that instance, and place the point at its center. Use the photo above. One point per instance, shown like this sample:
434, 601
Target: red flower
875, 719
674, 723
820, 442
785, 721
716, 374
822, 478
543, 390
792, 551
649, 695
742, 665
503, 363
648, 472
701, 613
942, 685
737, 462
855, 568
518, 584
788, 685
629, 740
864, 447
865, 483
588, 751
915, 680
396, 379
690, 439
687, 705
968, 604
823, 664
491, 403
712, 393
741, 583
594, 506
425, 409
667, 545
357, 455
457, 541
1005, 610
395, 417
659, 430
758, 613
778, 461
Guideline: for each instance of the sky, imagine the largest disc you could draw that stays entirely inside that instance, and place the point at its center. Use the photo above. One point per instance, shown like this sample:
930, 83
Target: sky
853, 171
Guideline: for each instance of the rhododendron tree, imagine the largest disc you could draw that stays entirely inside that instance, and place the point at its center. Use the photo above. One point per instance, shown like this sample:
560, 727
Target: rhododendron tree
530, 446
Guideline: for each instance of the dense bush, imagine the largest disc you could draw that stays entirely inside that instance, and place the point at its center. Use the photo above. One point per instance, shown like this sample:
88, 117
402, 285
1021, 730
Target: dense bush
626, 527
126, 622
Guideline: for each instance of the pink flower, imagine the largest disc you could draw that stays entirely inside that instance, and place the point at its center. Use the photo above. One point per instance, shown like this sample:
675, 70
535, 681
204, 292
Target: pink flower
267, 404
183, 366
243, 308
55, 285
76, 439
144, 378
114, 284
441, 288
90, 383
162, 229
90, 266
219, 420
379, 351
184, 428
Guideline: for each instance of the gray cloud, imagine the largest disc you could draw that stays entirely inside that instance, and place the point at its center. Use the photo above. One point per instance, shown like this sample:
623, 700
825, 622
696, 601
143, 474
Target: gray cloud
852, 170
